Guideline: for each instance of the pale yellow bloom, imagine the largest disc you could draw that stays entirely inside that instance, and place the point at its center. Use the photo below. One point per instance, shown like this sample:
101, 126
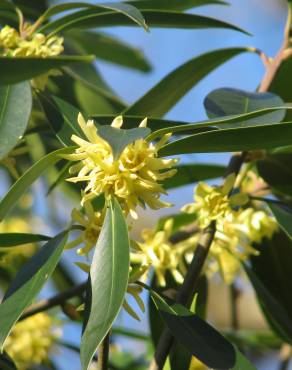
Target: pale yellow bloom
31, 341
92, 222
36, 45
133, 177
215, 203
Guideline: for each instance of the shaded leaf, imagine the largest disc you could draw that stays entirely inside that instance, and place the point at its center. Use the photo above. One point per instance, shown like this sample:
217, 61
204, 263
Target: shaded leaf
283, 216
162, 97
15, 110
28, 283
173, 4
13, 239
108, 281
19, 188
14, 70
6, 363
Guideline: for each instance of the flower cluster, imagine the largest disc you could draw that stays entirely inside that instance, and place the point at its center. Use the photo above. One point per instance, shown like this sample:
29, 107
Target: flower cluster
14, 44
133, 177
31, 340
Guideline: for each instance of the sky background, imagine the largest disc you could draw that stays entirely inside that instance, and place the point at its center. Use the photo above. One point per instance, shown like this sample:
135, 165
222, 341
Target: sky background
166, 50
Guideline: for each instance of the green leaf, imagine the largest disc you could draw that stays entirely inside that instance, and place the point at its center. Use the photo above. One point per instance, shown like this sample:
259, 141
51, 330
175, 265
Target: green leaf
201, 339
272, 280
277, 172
173, 4
154, 18
108, 48
6, 363
108, 281
228, 102
242, 363
8, 240
62, 118
118, 138
15, 109
190, 173
28, 283
14, 70
162, 97
283, 216
232, 140
19, 188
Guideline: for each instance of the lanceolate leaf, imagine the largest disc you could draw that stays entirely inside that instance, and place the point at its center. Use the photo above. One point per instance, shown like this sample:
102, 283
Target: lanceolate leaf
119, 138
154, 18
242, 363
173, 4
162, 97
8, 240
19, 188
14, 70
28, 283
231, 140
108, 281
15, 109
203, 341
228, 102
283, 216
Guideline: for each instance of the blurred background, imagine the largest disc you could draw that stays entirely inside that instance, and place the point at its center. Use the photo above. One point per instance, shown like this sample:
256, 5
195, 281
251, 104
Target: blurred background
166, 50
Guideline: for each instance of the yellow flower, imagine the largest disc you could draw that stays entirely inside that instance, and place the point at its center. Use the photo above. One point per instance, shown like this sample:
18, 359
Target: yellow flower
133, 177
214, 203
39, 45
31, 340
91, 221
158, 252
9, 38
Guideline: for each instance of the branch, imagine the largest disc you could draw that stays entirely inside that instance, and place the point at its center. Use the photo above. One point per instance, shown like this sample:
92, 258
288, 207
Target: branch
57, 300
103, 353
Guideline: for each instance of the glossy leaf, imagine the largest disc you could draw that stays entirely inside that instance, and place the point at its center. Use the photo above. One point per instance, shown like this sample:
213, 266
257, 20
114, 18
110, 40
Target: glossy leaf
62, 118
201, 339
19, 188
190, 173
154, 18
28, 283
174, 4
108, 281
232, 140
283, 216
15, 110
14, 70
108, 48
8, 240
228, 102
162, 97
119, 138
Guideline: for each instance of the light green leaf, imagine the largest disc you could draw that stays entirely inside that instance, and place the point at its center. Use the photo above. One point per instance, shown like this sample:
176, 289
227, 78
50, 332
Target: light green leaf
108, 48
28, 283
229, 101
283, 216
108, 281
242, 363
119, 138
19, 188
14, 70
162, 97
15, 109
232, 140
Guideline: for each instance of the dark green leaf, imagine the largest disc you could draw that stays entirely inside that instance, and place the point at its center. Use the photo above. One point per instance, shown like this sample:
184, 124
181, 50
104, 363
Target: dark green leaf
242, 363
108, 281
173, 4
190, 173
228, 102
232, 140
15, 109
6, 363
8, 240
283, 216
14, 70
108, 48
19, 188
162, 97
277, 172
154, 18
28, 283
119, 138
201, 339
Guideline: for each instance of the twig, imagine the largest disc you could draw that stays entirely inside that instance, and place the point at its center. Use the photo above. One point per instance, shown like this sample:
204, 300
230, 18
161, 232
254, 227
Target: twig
57, 300
234, 295
103, 353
